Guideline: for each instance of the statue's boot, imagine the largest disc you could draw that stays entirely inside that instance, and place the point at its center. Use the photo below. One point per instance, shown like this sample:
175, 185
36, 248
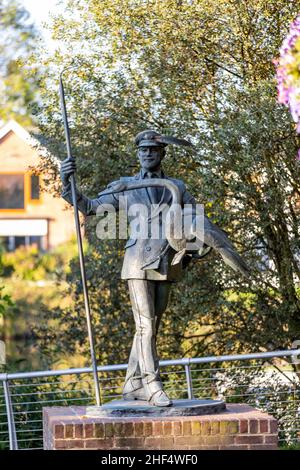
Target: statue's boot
156, 396
134, 390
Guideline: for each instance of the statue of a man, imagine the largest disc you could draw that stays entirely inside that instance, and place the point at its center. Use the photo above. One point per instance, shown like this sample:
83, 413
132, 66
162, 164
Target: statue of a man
150, 265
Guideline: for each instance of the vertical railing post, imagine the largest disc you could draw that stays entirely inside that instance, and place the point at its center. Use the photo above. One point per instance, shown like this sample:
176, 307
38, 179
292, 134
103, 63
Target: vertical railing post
189, 382
13, 443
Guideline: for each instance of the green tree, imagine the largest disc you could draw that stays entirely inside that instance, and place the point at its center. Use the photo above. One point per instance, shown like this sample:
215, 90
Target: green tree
18, 91
203, 70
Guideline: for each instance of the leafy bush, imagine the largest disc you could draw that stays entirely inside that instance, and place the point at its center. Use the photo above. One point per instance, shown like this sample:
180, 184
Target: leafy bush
273, 390
28, 263
5, 301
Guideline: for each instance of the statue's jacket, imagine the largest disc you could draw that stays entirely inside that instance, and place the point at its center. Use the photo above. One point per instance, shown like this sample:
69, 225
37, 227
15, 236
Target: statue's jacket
145, 258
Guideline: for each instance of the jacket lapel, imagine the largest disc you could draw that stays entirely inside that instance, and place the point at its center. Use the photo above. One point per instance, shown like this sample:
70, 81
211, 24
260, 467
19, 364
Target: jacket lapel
167, 196
142, 193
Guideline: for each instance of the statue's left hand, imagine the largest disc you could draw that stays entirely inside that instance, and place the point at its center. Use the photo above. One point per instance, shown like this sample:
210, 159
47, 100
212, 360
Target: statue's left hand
118, 187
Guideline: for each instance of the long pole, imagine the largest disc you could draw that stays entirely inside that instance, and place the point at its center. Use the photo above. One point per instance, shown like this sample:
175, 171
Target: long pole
80, 250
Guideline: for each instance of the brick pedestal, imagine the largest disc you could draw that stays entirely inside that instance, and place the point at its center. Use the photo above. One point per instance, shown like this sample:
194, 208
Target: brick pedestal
239, 427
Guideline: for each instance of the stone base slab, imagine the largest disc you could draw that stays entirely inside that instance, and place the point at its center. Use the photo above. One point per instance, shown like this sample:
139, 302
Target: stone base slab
240, 427
134, 408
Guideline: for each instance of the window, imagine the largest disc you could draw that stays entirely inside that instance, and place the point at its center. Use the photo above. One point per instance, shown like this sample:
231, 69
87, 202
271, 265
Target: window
12, 191
13, 242
19, 241
17, 190
34, 187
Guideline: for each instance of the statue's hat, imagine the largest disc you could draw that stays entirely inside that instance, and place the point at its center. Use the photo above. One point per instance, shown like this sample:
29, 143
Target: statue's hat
150, 138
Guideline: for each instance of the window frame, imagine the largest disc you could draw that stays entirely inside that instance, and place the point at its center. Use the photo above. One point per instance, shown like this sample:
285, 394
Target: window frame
27, 191
33, 201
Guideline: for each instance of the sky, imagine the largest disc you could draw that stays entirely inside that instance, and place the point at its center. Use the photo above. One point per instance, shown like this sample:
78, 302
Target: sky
39, 11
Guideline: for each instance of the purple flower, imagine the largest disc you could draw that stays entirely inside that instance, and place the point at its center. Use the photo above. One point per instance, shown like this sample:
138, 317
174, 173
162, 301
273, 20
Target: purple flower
288, 72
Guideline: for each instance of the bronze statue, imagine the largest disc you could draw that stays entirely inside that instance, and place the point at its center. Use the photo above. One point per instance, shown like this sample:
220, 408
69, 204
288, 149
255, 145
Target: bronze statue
150, 265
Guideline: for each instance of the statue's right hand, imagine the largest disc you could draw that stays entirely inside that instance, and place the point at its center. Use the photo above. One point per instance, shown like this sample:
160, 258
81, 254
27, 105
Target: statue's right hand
68, 168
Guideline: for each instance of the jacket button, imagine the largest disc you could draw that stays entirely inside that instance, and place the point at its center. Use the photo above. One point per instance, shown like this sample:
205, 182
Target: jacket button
148, 248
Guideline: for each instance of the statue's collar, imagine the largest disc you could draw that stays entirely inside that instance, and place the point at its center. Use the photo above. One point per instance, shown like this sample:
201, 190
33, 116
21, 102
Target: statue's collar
152, 174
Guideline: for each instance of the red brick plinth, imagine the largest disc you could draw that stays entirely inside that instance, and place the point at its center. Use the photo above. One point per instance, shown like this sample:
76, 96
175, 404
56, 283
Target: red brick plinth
239, 427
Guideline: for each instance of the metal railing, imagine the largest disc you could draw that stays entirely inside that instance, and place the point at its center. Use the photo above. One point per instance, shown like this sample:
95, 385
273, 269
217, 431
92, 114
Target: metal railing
259, 379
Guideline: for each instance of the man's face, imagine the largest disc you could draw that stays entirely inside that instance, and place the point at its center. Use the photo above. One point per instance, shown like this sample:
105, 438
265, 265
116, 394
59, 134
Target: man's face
150, 157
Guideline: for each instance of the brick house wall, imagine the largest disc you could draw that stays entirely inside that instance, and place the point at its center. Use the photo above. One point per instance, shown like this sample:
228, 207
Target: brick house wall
16, 156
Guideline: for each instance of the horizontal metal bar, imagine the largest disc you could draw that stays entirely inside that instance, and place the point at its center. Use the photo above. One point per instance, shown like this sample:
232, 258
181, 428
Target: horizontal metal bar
112, 396
178, 362
261, 395
59, 382
289, 440
29, 421
53, 392
177, 371
29, 430
289, 429
16, 403
234, 357
110, 388
28, 439
285, 430
112, 378
55, 373
260, 392
51, 401
288, 401
23, 412
23, 430
233, 368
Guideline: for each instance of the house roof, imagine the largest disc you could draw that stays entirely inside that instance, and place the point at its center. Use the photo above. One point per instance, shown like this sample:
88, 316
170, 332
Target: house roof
13, 126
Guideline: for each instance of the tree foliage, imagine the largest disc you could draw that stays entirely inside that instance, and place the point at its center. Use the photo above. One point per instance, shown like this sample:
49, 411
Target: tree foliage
202, 70
18, 38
